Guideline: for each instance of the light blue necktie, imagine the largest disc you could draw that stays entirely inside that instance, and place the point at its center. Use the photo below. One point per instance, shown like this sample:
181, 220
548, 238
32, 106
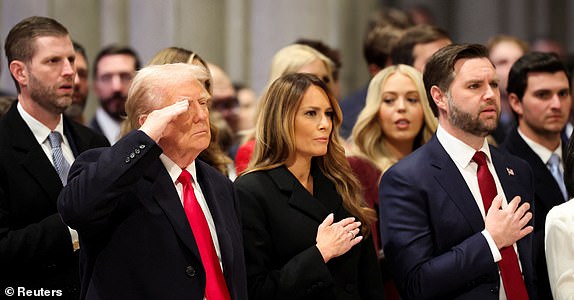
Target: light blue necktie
60, 163
554, 167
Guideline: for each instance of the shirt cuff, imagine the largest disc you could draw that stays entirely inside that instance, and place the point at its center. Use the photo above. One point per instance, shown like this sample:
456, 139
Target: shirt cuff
75, 239
492, 245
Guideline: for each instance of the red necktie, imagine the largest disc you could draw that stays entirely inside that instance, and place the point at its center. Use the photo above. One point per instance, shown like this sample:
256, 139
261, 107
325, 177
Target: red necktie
509, 268
215, 287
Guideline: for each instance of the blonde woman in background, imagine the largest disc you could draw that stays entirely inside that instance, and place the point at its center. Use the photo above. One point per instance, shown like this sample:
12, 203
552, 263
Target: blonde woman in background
213, 155
294, 58
395, 121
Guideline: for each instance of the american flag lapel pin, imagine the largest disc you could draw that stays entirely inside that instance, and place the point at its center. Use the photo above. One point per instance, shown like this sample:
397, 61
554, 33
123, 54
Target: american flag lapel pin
510, 172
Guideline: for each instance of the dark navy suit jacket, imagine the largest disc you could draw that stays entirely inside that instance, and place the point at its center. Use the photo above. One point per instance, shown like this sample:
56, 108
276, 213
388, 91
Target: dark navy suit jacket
547, 195
136, 242
431, 226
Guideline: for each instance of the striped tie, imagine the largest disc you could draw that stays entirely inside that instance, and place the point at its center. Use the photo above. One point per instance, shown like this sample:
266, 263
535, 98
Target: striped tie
60, 163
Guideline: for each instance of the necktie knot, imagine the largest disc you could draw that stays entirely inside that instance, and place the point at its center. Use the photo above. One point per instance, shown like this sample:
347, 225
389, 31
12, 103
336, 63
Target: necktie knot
55, 139
554, 168
554, 161
184, 178
479, 158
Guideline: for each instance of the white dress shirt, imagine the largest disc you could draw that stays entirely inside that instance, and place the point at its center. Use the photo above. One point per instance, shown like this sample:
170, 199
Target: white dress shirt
462, 154
559, 247
174, 171
543, 152
41, 133
110, 127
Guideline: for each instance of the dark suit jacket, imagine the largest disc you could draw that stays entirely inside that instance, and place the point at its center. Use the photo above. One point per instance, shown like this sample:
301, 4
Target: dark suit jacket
35, 245
280, 220
547, 195
431, 226
135, 238
351, 106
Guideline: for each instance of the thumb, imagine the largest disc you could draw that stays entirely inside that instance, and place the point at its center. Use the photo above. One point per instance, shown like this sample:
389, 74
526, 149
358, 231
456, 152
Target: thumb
328, 221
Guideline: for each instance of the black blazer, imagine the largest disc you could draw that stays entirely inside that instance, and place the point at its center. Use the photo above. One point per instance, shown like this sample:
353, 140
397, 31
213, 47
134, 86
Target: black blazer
547, 194
431, 226
135, 238
35, 245
280, 220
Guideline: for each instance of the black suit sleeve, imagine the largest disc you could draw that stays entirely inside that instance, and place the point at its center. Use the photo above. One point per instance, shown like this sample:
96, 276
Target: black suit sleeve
98, 179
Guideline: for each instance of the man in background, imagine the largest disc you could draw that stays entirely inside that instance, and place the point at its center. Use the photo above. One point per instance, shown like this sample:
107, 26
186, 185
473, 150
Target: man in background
418, 44
81, 86
114, 68
539, 93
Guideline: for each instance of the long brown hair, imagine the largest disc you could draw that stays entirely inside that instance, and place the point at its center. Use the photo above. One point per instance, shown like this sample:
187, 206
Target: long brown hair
275, 135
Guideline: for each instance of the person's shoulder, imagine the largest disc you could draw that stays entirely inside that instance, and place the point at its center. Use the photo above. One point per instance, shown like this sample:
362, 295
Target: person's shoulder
259, 178
563, 212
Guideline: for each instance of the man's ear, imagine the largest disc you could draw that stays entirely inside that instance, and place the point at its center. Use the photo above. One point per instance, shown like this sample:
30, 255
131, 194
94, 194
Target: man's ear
515, 104
141, 119
19, 71
439, 97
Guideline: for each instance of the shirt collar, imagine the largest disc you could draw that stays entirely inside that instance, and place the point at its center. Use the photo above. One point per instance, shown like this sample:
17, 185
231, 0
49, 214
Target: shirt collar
40, 130
540, 150
174, 170
460, 152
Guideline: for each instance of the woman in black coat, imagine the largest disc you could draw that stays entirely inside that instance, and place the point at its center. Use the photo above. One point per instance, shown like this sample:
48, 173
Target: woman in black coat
304, 220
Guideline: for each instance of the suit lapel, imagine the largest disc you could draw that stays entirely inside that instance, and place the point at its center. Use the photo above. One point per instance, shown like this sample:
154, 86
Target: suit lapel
223, 236
30, 154
544, 181
164, 193
451, 181
299, 198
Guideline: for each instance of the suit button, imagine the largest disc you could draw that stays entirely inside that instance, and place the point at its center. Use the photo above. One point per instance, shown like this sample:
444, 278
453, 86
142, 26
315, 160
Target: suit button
132, 155
190, 271
128, 159
142, 146
137, 151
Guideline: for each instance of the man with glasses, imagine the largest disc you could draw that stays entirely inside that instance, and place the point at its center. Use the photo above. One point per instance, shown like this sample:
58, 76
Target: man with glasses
114, 68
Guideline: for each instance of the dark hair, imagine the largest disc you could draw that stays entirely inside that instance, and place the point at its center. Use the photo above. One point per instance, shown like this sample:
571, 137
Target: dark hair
116, 50
80, 49
402, 52
378, 44
439, 70
569, 169
332, 54
533, 62
20, 41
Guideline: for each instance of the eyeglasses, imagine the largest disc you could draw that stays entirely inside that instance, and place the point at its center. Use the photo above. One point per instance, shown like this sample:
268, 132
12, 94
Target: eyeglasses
125, 77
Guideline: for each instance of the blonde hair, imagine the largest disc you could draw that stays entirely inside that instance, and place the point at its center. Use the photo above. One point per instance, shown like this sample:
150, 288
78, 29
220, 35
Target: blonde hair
367, 137
275, 140
293, 57
289, 60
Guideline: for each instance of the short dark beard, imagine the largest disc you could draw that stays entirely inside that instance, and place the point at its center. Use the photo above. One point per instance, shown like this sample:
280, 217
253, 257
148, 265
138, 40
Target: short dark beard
467, 122
46, 96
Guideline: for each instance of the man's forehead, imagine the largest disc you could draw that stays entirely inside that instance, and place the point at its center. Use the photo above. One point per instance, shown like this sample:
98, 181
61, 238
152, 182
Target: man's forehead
474, 68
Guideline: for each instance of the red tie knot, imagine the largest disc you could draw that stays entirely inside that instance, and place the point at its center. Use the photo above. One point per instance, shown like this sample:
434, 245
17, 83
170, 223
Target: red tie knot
479, 158
184, 178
